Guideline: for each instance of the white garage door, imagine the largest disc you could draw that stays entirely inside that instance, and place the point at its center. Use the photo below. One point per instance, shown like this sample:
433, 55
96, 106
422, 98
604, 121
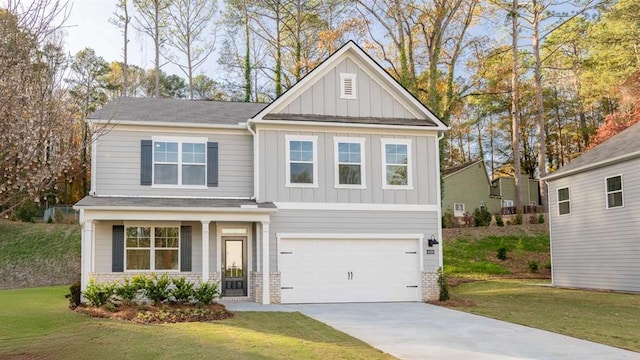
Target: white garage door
349, 270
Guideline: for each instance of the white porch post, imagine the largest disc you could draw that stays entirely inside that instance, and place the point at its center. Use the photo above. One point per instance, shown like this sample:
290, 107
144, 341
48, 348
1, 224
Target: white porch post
87, 253
265, 263
205, 251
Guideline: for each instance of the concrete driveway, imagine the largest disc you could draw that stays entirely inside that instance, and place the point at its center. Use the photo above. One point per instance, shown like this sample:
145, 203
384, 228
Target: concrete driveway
423, 331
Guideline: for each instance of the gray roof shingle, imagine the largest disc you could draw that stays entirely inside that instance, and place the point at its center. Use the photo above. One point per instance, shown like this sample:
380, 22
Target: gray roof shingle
124, 202
624, 143
177, 111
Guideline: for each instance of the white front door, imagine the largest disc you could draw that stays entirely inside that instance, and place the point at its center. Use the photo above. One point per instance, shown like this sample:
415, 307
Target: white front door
349, 270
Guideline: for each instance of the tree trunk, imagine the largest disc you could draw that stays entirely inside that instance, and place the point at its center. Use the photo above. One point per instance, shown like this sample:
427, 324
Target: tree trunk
247, 56
515, 111
125, 65
157, 48
540, 125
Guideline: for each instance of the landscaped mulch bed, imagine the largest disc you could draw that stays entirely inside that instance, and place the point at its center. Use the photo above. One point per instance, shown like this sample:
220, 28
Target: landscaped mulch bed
162, 314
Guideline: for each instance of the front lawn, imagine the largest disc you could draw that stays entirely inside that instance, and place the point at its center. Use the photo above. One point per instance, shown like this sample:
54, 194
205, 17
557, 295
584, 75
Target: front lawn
604, 317
36, 323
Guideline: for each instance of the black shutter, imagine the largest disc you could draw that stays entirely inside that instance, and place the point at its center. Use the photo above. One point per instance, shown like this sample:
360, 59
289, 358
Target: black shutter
185, 248
146, 161
117, 249
212, 164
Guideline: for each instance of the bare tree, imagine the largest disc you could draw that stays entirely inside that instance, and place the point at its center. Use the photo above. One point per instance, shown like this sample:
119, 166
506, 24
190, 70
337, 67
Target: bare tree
515, 99
151, 19
191, 32
121, 19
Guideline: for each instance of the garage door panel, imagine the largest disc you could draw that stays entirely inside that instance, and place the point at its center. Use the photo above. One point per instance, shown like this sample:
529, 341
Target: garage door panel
317, 270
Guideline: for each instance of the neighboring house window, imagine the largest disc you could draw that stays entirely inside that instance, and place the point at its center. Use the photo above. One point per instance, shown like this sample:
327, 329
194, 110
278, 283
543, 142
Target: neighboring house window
349, 160
507, 203
302, 161
396, 163
564, 204
458, 210
348, 86
614, 192
152, 248
179, 163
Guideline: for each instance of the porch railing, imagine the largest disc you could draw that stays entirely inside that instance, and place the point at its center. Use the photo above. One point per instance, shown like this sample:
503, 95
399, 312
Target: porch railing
527, 209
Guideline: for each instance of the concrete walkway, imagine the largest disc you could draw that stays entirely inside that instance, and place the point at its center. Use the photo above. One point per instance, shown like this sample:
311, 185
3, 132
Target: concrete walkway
423, 331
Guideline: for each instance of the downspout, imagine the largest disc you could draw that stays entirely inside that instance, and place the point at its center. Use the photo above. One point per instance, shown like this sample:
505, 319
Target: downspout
439, 204
255, 161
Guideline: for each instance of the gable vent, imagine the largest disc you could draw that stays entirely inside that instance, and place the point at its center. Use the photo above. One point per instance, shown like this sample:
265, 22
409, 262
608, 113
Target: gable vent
347, 86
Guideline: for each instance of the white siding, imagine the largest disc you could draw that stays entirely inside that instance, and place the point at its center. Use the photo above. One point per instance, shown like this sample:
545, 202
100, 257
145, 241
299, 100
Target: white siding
596, 247
118, 165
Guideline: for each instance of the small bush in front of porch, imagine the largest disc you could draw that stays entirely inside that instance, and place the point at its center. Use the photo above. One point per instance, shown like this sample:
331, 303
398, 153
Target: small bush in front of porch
156, 288
98, 294
207, 292
183, 291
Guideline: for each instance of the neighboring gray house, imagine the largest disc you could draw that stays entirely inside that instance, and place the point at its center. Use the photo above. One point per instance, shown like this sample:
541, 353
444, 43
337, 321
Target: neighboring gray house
331, 193
594, 213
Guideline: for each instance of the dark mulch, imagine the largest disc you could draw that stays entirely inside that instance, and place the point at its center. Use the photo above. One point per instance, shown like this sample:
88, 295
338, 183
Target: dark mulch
162, 314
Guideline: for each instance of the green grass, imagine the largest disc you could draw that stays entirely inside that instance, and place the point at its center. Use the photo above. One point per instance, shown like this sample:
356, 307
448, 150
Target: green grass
38, 254
604, 317
477, 258
37, 323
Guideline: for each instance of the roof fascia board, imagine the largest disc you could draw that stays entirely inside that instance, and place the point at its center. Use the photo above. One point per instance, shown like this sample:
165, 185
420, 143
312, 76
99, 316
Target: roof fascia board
465, 168
593, 166
240, 125
357, 125
178, 209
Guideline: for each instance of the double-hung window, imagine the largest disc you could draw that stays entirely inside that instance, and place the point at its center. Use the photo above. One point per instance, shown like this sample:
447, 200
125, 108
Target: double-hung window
181, 163
349, 163
564, 201
302, 161
614, 192
152, 248
396, 164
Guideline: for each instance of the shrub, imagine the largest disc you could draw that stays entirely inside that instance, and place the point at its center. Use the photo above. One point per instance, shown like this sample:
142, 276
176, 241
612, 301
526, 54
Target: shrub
533, 219
49, 220
541, 218
157, 288
128, 291
547, 265
206, 293
499, 221
449, 220
518, 219
27, 211
98, 294
442, 285
74, 295
481, 217
183, 290
467, 219
502, 253
533, 266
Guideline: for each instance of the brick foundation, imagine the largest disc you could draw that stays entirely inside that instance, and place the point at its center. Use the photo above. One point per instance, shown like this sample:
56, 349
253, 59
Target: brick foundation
255, 287
430, 290
111, 277
274, 288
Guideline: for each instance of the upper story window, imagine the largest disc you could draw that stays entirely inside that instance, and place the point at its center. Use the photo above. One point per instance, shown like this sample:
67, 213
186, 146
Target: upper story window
349, 162
348, 86
152, 248
396, 164
614, 191
181, 163
564, 202
302, 161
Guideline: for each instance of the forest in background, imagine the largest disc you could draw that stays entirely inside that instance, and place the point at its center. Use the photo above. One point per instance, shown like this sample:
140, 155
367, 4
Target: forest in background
526, 86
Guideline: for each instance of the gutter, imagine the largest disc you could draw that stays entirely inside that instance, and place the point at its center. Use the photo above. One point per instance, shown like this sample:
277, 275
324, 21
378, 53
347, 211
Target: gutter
256, 162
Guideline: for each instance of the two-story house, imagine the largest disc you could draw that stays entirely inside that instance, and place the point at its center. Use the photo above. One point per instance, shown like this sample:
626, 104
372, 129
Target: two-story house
328, 194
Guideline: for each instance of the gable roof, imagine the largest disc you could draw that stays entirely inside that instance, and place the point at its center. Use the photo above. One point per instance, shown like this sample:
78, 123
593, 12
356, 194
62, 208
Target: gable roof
621, 147
145, 110
457, 168
427, 118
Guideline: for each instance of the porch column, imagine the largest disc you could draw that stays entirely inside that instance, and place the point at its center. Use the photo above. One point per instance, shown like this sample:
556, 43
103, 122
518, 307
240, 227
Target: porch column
205, 250
265, 263
87, 253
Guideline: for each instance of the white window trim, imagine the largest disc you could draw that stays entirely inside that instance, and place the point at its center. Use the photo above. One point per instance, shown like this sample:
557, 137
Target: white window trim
151, 248
407, 142
354, 94
314, 140
336, 164
607, 192
454, 209
180, 141
563, 201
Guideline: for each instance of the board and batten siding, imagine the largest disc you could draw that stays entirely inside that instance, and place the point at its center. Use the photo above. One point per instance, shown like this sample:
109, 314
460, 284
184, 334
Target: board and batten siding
595, 247
355, 222
469, 186
273, 164
118, 165
373, 99
103, 234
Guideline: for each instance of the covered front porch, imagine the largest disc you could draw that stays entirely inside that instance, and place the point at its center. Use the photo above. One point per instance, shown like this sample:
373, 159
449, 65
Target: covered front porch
216, 240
